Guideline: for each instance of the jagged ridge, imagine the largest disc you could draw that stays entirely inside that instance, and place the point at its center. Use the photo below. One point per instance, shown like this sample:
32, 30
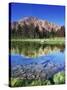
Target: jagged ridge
32, 27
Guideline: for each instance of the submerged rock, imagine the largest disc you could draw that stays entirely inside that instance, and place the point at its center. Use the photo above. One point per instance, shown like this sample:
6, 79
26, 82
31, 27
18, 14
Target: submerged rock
42, 67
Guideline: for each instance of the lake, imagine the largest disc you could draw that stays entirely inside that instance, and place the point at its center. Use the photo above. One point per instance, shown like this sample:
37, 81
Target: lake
34, 49
34, 60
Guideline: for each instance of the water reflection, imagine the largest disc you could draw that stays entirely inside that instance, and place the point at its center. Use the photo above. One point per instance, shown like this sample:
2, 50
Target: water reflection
33, 49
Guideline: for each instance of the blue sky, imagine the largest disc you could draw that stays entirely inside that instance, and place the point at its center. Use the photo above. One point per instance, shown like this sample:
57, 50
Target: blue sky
55, 14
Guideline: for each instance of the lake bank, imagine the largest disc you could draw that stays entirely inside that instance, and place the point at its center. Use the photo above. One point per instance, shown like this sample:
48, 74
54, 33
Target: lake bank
42, 41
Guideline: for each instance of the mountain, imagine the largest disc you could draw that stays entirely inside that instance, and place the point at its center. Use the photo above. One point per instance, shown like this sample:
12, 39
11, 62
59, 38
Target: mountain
32, 27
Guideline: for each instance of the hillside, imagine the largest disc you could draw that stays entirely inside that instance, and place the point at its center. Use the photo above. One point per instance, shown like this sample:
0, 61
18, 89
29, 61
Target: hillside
32, 27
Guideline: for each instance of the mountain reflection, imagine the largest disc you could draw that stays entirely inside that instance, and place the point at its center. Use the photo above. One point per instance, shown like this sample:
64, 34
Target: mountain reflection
33, 49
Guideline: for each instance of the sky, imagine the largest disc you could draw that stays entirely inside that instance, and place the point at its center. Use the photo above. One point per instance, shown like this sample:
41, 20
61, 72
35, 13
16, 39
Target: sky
51, 13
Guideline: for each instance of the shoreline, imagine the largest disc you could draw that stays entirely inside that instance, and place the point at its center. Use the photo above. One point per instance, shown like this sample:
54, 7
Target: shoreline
41, 41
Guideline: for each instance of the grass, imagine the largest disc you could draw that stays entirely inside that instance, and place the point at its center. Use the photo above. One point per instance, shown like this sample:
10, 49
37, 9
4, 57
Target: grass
25, 82
43, 41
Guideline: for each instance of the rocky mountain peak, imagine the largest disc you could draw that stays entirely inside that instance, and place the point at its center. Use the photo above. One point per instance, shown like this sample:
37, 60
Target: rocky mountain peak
37, 25
39, 22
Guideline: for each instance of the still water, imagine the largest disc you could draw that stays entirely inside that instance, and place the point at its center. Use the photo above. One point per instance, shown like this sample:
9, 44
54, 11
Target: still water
33, 49
50, 57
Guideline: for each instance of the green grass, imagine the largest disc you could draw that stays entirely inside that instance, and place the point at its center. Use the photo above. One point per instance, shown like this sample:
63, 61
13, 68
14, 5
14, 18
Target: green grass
19, 82
43, 41
59, 78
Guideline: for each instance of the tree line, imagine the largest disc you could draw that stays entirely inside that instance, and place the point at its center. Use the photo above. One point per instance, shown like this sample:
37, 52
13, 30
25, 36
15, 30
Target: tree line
34, 32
